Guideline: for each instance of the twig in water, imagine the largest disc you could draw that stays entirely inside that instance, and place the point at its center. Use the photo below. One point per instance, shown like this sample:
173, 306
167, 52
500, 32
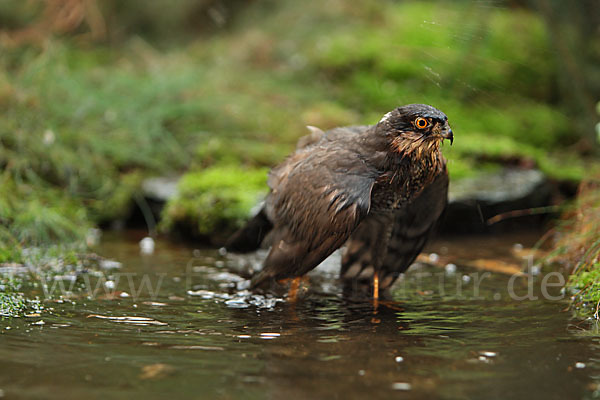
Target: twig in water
521, 213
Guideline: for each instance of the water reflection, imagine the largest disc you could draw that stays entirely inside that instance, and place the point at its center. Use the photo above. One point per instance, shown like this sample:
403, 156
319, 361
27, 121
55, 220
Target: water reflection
427, 342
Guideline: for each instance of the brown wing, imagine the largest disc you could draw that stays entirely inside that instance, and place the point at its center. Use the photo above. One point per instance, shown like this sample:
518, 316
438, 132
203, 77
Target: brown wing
253, 234
317, 199
412, 226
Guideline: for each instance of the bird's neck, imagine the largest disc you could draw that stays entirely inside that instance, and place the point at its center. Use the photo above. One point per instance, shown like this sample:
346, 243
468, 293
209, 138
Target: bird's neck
403, 154
426, 156
415, 167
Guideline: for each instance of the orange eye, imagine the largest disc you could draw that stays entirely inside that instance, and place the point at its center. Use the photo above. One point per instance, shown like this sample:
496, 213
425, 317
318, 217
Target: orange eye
421, 123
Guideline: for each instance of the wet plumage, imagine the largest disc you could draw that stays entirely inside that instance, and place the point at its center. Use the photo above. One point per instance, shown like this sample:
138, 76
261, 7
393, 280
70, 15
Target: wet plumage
378, 189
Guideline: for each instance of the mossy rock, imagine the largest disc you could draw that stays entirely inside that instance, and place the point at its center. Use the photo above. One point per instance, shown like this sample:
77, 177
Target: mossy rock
213, 202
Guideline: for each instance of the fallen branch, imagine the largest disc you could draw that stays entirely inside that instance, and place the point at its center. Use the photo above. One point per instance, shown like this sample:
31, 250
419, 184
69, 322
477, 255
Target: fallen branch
522, 213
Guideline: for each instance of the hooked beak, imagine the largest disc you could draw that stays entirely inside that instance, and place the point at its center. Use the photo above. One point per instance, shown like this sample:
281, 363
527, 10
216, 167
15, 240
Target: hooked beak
447, 134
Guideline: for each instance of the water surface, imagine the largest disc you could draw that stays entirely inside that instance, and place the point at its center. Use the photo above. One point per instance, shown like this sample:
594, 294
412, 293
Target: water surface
195, 337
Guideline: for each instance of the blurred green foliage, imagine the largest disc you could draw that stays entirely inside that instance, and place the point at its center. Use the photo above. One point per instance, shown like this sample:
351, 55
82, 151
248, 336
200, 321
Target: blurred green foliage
224, 89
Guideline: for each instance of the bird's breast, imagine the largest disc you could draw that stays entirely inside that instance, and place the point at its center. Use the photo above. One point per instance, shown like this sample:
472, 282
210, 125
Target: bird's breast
388, 194
396, 188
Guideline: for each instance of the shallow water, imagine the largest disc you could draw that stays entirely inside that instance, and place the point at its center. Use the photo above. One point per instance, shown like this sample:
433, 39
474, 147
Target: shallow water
448, 334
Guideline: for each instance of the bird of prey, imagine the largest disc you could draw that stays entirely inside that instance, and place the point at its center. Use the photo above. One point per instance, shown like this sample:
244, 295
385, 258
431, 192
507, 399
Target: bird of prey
378, 189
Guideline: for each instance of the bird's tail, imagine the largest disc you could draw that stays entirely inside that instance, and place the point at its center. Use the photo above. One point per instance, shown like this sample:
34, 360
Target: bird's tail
250, 237
262, 280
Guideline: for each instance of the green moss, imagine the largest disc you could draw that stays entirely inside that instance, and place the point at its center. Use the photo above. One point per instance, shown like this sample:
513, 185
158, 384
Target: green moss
586, 285
216, 199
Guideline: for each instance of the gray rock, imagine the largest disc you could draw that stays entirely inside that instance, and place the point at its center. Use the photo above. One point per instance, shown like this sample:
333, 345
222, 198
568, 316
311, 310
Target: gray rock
506, 185
473, 201
160, 189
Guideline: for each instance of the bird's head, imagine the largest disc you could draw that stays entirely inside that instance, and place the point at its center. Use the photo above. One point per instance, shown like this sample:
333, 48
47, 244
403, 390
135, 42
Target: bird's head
415, 127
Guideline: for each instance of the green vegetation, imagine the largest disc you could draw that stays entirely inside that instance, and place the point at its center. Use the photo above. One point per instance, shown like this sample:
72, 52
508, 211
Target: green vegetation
90, 110
12, 302
213, 201
578, 249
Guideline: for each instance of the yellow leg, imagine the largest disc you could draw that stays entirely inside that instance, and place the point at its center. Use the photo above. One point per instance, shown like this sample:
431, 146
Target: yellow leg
293, 291
375, 286
374, 319
375, 289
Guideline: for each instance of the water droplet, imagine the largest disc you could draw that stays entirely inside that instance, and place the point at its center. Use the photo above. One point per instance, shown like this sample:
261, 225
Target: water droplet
154, 303
243, 285
237, 303
401, 386
110, 264
93, 237
205, 294
450, 268
49, 137
147, 245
